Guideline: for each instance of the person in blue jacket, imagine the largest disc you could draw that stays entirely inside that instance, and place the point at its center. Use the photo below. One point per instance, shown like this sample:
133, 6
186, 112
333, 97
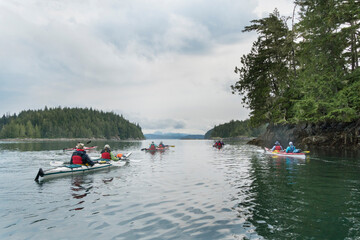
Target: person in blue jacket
291, 148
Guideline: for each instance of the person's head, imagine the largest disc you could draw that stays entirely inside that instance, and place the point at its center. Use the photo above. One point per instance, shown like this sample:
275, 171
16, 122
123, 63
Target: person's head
277, 143
80, 146
107, 146
291, 144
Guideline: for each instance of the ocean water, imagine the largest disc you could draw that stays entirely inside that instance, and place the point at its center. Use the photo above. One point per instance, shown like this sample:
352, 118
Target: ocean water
190, 191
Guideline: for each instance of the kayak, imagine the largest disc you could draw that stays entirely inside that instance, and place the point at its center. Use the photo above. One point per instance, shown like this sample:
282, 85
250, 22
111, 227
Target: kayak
61, 163
156, 149
285, 154
70, 169
85, 148
218, 146
75, 168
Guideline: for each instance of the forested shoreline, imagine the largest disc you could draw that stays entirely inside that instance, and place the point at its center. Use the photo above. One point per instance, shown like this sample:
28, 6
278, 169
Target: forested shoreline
67, 123
304, 71
234, 129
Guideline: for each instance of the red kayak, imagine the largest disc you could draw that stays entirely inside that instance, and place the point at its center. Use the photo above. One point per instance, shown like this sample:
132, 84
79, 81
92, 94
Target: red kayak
156, 149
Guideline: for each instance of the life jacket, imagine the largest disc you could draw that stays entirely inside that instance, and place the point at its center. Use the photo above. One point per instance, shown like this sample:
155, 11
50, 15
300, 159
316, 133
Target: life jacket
277, 148
76, 158
290, 149
152, 147
105, 155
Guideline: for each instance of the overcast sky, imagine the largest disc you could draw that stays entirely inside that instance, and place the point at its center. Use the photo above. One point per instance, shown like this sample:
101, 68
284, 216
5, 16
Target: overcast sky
165, 64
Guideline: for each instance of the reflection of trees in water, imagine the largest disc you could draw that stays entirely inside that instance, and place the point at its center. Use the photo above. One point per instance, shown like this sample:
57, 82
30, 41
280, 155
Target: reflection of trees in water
60, 145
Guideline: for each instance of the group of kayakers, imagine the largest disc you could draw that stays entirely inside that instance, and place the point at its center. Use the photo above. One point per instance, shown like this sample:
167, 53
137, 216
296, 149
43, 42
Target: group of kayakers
290, 149
153, 146
80, 156
219, 144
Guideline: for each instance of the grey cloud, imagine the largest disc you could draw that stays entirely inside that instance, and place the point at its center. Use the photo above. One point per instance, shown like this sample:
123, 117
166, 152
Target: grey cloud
195, 25
162, 124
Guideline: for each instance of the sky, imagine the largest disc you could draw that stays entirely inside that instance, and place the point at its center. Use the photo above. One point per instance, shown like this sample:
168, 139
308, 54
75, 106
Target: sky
167, 65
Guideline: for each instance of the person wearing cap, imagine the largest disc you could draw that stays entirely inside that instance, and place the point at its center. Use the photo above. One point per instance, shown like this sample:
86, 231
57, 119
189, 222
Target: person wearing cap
291, 148
152, 146
107, 154
80, 156
277, 147
161, 145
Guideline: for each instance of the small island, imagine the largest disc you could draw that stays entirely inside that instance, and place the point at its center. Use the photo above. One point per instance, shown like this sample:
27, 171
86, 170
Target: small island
55, 123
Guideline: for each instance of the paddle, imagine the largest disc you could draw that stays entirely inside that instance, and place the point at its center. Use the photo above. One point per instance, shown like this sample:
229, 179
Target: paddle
75, 147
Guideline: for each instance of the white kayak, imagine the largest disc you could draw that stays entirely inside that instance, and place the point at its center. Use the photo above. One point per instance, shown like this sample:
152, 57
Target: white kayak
61, 163
285, 154
70, 169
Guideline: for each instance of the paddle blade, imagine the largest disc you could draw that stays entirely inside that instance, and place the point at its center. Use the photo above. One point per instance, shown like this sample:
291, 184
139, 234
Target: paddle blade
56, 163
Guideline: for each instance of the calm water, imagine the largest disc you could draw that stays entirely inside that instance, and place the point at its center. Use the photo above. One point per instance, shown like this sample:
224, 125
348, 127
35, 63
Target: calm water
191, 191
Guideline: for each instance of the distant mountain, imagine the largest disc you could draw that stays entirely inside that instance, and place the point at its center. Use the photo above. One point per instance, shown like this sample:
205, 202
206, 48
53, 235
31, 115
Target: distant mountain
173, 136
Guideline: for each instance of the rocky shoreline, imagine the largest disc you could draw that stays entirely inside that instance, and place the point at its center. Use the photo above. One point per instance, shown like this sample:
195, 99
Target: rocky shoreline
322, 135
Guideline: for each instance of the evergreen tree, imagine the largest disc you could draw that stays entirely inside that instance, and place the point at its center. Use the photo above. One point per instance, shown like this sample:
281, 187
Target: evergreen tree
264, 75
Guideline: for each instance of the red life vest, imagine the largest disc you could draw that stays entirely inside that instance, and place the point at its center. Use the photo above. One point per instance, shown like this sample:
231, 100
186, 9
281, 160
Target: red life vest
76, 158
106, 155
278, 148
152, 147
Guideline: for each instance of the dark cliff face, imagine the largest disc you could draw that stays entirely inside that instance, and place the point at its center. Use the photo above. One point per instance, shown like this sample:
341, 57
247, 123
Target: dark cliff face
329, 134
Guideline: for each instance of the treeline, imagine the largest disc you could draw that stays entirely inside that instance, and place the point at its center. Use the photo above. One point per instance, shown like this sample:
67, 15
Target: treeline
68, 123
235, 129
307, 72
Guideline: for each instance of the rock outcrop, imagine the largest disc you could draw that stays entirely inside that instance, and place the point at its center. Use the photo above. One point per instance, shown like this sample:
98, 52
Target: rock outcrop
327, 134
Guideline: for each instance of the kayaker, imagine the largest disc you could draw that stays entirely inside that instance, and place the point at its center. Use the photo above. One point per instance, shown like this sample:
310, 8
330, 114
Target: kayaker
161, 145
291, 148
107, 154
152, 146
277, 147
80, 156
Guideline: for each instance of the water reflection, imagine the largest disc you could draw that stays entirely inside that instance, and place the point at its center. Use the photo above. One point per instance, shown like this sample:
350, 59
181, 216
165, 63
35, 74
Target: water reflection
80, 187
41, 145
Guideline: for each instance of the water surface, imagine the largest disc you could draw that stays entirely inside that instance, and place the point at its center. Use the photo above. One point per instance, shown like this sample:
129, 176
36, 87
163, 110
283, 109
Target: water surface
191, 191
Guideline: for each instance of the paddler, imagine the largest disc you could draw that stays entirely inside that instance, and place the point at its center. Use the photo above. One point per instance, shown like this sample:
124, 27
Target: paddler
277, 147
161, 145
292, 149
80, 156
152, 146
107, 154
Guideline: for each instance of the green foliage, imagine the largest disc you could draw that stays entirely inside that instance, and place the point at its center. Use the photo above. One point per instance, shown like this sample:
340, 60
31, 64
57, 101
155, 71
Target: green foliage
235, 129
264, 75
68, 123
307, 74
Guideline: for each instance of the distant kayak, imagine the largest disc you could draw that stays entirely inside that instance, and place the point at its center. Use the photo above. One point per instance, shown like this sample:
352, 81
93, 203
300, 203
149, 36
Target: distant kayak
85, 148
218, 146
283, 153
156, 149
